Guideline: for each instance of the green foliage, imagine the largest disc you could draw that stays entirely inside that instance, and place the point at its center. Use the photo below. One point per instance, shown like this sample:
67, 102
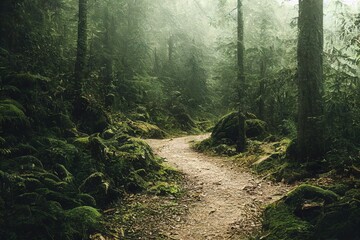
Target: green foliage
12, 116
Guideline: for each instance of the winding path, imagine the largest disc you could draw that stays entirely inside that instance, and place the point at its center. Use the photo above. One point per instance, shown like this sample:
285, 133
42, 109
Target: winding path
228, 200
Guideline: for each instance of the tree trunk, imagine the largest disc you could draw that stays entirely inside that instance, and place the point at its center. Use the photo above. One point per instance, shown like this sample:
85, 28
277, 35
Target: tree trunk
109, 25
81, 47
171, 48
261, 101
310, 78
241, 142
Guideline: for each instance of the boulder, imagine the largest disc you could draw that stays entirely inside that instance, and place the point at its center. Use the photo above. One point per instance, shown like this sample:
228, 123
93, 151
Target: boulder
227, 128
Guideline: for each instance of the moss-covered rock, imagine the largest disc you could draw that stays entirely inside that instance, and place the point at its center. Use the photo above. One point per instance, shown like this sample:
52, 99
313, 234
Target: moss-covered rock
138, 154
309, 212
281, 223
82, 220
227, 128
147, 130
135, 182
255, 128
306, 192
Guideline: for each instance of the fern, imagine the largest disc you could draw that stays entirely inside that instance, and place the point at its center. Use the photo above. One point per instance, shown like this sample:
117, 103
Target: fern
3, 149
12, 114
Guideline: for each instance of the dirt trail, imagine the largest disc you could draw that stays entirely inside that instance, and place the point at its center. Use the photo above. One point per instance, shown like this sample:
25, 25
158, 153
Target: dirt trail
227, 201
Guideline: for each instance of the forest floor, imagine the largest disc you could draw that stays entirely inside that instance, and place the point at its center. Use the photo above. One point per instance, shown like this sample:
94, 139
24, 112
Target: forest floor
221, 200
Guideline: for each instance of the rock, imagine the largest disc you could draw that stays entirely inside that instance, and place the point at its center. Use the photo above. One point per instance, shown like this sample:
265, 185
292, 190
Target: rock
227, 128
147, 130
255, 128
299, 195
81, 220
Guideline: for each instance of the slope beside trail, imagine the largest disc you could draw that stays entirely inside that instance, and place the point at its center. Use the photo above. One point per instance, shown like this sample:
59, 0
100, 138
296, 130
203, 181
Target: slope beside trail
226, 201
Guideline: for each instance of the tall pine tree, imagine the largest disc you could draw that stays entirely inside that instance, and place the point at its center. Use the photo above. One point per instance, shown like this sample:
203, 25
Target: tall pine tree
310, 80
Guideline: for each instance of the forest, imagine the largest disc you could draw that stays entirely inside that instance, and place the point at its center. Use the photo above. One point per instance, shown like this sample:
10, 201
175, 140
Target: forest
179, 119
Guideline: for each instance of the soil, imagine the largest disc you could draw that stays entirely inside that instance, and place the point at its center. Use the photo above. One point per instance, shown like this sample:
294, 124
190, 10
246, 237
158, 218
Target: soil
223, 201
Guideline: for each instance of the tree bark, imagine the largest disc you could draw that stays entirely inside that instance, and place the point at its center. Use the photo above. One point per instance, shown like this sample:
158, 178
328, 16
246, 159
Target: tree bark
109, 25
170, 48
310, 80
81, 47
241, 142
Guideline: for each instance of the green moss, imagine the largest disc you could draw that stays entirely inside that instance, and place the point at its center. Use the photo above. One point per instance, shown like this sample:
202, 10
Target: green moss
164, 188
339, 188
280, 223
255, 128
147, 130
226, 128
306, 192
81, 220
135, 181
137, 154
303, 213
